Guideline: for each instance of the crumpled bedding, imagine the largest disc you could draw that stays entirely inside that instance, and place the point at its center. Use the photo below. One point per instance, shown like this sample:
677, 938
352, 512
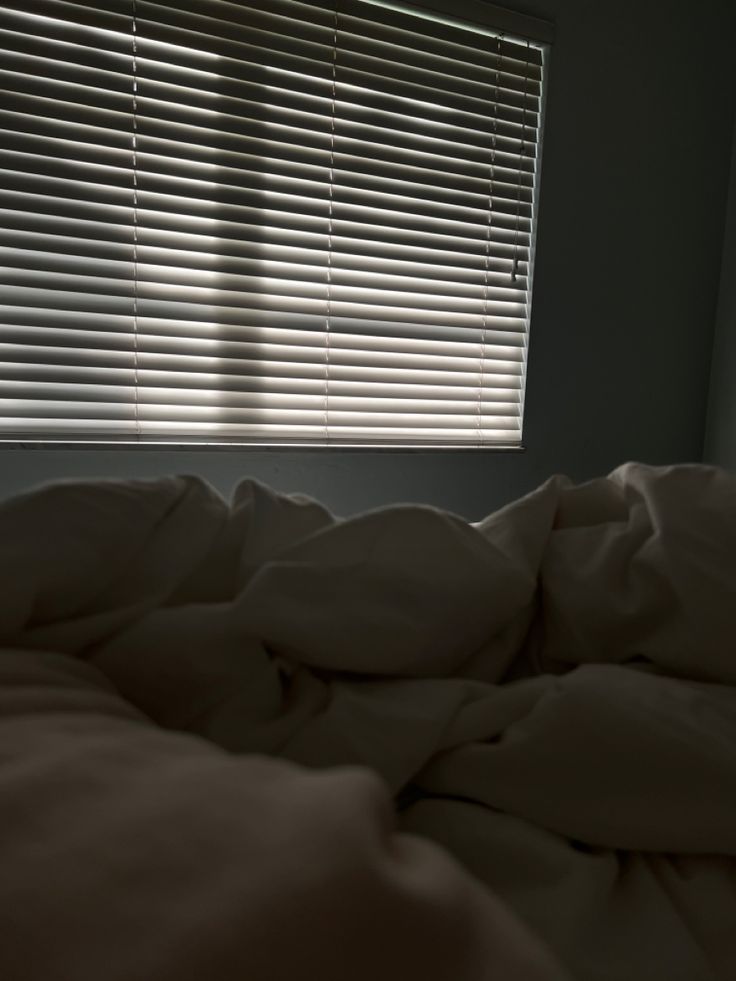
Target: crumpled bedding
207, 710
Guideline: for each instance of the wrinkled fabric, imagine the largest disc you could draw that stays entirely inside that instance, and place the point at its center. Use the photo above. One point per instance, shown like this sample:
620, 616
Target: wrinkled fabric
548, 695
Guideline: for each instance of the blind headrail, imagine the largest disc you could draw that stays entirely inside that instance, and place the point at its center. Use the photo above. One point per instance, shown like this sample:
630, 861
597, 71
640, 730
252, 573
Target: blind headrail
512, 24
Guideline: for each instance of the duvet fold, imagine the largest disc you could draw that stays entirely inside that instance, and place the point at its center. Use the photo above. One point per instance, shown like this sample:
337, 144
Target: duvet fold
253, 737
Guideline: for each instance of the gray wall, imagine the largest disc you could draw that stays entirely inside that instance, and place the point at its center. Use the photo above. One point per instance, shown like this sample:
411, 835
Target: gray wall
720, 441
633, 192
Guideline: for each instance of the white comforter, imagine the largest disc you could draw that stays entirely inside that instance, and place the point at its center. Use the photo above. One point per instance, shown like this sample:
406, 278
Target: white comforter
549, 695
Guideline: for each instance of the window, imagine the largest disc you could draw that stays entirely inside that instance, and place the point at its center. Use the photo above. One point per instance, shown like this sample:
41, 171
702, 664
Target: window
292, 222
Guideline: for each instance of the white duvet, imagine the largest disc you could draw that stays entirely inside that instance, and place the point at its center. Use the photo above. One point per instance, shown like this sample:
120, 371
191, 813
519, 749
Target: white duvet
205, 710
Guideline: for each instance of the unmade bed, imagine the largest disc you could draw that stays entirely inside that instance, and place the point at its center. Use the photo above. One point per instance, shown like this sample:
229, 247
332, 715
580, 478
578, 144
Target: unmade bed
253, 740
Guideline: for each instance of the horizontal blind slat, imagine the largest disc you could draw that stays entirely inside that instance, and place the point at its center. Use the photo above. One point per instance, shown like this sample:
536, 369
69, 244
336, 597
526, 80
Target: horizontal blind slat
114, 16
184, 373
189, 104
258, 240
438, 34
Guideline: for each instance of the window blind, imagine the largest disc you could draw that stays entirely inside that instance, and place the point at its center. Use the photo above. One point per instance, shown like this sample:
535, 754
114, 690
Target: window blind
291, 222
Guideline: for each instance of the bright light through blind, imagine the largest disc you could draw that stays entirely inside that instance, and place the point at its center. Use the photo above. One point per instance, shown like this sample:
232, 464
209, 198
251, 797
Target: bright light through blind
294, 222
